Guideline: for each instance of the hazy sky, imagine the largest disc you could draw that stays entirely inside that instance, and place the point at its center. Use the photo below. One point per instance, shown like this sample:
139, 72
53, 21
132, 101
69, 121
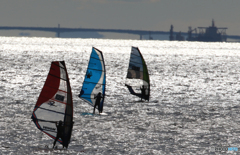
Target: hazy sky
122, 14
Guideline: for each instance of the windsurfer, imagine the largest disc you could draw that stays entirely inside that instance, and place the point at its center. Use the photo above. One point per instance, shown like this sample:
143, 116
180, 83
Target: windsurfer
60, 129
143, 90
97, 102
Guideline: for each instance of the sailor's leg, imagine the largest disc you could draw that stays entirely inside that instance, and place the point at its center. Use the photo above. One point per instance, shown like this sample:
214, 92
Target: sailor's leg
54, 143
94, 109
99, 111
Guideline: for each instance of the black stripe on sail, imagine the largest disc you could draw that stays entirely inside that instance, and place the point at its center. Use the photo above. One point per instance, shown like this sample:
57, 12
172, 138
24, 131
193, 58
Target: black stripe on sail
93, 82
58, 77
135, 55
96, 70
136, 62
57, 89
96, 58
52, 111
41, 120
62, 62
82, 96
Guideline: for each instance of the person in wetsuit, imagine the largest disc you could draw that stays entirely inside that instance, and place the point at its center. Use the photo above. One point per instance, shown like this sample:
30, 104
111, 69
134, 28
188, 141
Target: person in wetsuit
97, 102
60, 129
143, 91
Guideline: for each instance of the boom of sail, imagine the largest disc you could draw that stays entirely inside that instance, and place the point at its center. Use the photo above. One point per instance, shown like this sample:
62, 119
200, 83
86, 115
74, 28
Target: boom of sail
95, 79
55, 104
137, 76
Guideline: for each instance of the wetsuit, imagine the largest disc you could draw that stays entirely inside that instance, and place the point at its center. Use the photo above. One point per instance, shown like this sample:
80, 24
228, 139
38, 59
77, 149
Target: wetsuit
97, 102
143, 90
60, 129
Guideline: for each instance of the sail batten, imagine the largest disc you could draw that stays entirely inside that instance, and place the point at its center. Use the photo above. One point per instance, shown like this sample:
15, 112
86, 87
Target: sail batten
58, 77
55, 104
135, 62
51, 110
137, 70
95, 69
95, 79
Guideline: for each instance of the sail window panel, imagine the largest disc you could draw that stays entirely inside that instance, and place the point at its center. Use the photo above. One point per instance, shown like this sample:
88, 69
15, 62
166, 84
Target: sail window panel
61, 96
46, 114
63, 85
133, 74
63, 74
134, 66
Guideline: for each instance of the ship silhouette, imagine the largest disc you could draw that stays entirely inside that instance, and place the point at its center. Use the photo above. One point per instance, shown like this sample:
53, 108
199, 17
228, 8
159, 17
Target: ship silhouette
205, 34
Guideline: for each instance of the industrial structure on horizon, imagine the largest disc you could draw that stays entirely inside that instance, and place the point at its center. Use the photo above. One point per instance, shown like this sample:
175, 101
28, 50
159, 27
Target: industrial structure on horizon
210, 34
206, 34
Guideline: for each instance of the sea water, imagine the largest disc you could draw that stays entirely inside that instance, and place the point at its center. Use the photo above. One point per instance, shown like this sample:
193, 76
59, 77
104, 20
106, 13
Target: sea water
193, 108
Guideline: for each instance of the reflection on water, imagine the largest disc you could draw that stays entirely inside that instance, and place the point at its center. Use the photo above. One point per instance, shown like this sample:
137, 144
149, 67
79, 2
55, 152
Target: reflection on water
194, 102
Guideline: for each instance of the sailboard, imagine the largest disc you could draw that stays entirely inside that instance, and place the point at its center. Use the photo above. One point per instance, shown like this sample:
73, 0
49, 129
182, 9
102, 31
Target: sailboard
137, 75
95, 79
55, 104
91, 114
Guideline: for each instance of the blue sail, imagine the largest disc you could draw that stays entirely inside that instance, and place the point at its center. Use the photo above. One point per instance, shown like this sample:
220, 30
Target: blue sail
95, 79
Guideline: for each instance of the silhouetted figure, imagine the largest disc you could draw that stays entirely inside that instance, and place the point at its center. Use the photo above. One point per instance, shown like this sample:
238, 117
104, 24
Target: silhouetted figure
60, 129
97, 102
143, 91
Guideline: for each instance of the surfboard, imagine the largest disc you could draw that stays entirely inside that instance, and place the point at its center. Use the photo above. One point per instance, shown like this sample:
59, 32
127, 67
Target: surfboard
49, 147
91, 114
103, 114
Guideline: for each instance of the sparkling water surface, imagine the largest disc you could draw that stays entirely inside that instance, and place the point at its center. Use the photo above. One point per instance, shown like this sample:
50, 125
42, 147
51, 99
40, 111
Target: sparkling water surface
194, 103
